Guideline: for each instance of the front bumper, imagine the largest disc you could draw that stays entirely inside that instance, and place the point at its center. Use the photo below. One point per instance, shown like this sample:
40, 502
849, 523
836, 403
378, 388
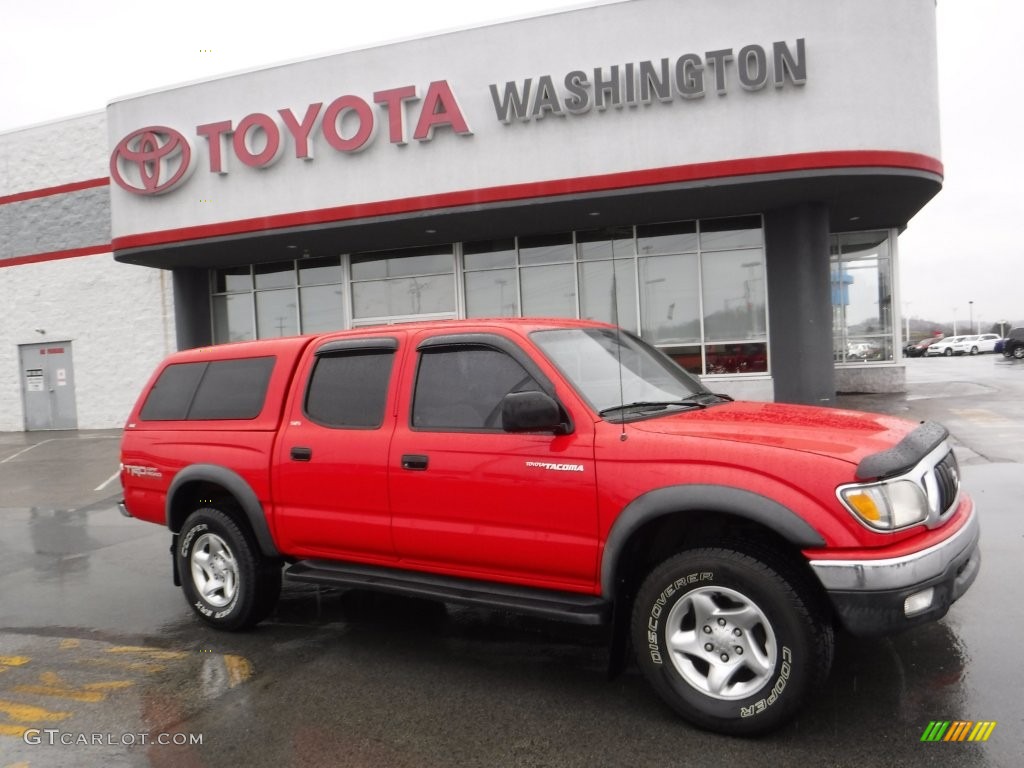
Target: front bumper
870, 596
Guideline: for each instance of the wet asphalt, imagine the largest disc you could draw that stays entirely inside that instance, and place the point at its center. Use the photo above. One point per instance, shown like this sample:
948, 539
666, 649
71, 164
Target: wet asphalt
103, 664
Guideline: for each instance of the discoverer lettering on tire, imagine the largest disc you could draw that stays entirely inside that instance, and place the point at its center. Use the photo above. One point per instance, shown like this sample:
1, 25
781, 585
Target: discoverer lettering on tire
731, 643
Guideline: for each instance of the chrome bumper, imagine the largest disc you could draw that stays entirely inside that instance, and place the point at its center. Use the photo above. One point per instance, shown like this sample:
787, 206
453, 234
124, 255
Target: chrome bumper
878, 597
899, 572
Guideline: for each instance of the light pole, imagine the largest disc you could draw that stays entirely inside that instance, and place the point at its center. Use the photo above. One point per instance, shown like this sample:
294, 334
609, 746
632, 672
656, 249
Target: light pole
954, 321
970, 305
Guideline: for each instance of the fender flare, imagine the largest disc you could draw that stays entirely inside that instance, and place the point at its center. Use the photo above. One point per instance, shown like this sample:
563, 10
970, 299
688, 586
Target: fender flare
237, 487
677, 499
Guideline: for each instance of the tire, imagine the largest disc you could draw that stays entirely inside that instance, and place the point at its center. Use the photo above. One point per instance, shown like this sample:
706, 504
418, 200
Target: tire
223, 576
729, 642
948, 352
974, 350
1018, 352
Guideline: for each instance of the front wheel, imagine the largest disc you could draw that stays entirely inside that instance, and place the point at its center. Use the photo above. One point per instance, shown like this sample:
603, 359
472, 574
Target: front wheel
948, 352
224, 577
730, 643
1018, 352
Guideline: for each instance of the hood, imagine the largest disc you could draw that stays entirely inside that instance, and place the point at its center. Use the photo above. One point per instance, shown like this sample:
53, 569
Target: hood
841, 434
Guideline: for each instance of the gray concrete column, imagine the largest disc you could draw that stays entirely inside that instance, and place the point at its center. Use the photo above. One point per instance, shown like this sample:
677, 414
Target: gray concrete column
800, 304
192, 308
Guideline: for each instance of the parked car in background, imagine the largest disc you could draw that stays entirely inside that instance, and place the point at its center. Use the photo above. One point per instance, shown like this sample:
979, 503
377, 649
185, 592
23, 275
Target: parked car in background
977, 344
945, 346
863, 350
1013, 344
918, 348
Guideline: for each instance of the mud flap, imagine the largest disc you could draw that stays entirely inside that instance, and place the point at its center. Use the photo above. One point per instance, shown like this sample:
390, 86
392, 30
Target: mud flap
174, 561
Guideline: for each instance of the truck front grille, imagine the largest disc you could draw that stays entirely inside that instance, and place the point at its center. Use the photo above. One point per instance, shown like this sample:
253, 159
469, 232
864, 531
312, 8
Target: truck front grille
947, 483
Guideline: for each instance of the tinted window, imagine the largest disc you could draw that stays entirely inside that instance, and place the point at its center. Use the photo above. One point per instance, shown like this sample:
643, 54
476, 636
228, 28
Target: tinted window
169, 398
350, 389
233, 389
463, 388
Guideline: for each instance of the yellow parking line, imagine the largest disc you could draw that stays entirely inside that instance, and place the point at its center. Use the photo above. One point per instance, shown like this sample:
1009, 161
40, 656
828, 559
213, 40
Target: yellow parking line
28, 713
52, 685
14, 661
90, 697
110, 685
152, 653
239, 669
149, 667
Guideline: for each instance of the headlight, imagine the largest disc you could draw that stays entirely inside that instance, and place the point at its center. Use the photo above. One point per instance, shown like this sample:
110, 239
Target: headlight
886, 506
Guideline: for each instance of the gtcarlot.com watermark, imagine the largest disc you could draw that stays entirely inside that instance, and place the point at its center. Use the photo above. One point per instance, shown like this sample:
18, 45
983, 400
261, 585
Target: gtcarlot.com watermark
53, 737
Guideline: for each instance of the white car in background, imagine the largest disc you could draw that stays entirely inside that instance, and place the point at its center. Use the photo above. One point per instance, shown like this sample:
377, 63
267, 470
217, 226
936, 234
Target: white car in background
945, 347
975, 345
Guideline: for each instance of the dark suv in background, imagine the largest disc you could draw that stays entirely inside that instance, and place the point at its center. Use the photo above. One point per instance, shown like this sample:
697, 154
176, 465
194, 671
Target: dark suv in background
1013, 344
919, 348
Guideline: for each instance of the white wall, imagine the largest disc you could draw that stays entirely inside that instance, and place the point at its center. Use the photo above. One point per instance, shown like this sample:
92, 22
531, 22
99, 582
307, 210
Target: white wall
119, 318
53, 154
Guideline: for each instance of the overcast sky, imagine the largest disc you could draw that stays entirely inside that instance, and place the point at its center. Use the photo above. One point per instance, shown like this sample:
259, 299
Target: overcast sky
63, 57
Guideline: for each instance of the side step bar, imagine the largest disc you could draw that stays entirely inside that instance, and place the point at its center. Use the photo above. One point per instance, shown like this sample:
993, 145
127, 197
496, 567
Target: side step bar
562, 606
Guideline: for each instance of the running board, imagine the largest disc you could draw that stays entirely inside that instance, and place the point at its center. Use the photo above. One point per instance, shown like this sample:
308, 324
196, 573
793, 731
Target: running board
561, 606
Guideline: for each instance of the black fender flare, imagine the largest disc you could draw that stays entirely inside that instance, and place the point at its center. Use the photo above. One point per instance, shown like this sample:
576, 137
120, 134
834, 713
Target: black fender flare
677, 499
234, 484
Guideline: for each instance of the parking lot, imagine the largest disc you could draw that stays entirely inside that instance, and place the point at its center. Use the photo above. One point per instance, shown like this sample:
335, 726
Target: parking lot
97, 645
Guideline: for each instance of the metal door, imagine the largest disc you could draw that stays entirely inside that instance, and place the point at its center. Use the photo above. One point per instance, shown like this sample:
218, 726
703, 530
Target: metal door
48, 386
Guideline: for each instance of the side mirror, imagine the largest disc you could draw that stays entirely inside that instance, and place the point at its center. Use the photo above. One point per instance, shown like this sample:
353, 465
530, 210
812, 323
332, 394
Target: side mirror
530, 412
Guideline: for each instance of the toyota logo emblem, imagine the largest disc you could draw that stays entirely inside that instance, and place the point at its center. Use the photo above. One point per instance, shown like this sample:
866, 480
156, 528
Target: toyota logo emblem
151, 161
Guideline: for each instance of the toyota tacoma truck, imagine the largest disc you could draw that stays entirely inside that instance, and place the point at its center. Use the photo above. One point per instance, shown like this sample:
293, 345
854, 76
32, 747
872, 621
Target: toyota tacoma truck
564, 469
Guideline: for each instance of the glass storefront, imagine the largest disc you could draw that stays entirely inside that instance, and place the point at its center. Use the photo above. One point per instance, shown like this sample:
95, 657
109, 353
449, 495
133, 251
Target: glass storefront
696, 289
862, 297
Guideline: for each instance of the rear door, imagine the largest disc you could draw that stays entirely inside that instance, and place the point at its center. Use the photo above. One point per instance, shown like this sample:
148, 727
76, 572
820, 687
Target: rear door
470, 499
331, 495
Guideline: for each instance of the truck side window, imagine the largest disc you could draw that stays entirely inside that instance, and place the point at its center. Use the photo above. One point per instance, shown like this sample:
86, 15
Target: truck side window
350, 389
222, 389
462, 388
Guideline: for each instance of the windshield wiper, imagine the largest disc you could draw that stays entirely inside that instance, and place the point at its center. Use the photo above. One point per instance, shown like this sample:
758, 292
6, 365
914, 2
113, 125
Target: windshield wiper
651, 405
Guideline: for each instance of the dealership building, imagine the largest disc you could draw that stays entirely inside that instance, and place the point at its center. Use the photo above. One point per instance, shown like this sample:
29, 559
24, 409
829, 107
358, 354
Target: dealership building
728, 180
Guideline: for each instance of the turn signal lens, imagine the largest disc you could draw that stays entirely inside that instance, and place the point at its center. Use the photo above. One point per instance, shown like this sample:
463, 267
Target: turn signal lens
888, 505
865, 505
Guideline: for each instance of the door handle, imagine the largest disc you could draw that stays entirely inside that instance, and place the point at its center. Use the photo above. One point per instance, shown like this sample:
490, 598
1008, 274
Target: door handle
414, 462
301, 454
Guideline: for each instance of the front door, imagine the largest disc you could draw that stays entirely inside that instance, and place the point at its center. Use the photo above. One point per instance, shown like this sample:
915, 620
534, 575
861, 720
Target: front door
471, 500
48, 386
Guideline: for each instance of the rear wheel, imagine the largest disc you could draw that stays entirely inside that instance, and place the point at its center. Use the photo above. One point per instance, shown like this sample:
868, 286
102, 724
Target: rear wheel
731, 643
948, 352
224, 578
1018, 352
974, 350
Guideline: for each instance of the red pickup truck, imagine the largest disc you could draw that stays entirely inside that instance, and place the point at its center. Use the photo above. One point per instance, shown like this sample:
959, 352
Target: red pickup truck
564, 469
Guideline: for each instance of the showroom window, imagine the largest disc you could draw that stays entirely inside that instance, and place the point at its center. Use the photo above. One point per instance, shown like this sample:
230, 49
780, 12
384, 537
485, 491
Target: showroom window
696, 289
411, 283
277, 299
862, 319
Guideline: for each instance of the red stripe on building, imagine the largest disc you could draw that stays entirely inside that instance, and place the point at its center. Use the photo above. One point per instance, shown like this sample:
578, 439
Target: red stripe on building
35, 258
815, 161
63, 189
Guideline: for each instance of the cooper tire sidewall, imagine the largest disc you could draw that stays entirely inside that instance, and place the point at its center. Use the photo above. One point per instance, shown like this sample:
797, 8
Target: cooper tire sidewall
191, 534
774, 700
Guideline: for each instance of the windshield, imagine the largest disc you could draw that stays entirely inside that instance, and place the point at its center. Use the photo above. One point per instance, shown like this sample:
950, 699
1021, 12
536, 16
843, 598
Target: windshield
590, 359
